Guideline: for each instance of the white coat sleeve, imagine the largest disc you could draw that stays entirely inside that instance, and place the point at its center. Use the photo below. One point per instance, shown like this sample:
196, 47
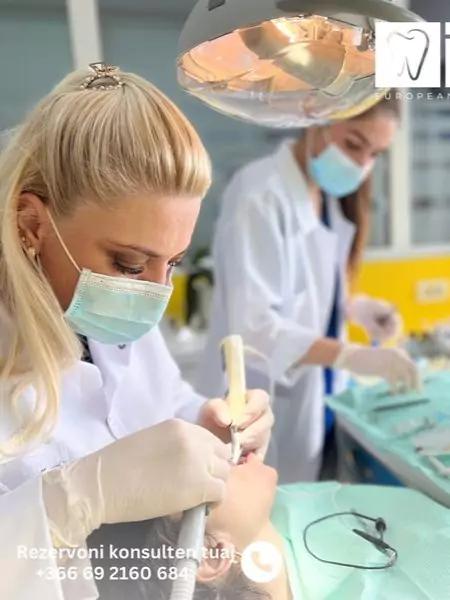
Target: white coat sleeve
186, 403
29, 564
252, 262
24, 530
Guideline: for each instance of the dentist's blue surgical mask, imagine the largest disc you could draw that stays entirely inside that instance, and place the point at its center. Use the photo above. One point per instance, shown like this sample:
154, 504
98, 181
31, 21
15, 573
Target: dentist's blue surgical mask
336, 173
114, 310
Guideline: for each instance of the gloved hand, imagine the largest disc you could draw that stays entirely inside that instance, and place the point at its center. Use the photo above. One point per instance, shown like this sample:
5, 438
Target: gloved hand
391, 364
379, 318
255, 425
159, 471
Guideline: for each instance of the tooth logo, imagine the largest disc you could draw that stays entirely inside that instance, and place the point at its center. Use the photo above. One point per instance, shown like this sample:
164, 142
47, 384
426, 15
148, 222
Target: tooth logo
411, 50
408, 55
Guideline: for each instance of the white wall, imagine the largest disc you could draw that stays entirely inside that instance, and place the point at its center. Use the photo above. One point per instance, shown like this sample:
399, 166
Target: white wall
34, 55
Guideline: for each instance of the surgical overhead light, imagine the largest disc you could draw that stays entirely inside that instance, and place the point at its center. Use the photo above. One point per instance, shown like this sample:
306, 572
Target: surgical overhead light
284, 63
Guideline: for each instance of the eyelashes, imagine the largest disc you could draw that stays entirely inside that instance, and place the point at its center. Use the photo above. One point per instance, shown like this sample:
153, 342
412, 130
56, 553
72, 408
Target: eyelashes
128, 270
175, 263
353, 146
134, 271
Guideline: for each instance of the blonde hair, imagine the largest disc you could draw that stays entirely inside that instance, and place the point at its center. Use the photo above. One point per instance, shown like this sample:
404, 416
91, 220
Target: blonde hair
78, 145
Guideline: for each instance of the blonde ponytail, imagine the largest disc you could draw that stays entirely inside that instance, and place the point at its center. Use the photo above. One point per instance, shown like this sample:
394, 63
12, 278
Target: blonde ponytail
77, 145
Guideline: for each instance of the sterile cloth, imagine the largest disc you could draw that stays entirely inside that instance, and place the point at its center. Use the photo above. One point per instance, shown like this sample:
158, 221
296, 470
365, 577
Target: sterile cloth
417, 527
383, 429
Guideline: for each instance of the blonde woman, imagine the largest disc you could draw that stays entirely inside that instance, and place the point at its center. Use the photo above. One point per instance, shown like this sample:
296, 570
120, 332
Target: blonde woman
100, 190
289, 240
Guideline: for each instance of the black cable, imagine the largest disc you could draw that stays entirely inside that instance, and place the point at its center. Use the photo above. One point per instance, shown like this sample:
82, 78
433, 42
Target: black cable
379, 543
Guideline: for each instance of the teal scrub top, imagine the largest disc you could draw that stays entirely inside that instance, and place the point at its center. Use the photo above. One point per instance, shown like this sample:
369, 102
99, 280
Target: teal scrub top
417, 527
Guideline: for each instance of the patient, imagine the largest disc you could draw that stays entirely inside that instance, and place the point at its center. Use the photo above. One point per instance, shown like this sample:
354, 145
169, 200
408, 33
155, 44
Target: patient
254, 509
243, 517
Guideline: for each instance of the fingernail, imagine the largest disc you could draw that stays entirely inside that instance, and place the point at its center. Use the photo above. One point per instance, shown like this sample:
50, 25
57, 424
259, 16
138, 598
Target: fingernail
247, 442
223, 419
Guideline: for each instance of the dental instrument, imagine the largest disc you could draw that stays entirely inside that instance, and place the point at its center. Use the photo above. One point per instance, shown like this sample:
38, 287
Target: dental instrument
414, 426
236, 451
233, 353
399, 405
192, 532
435, 442
439, 466
385, 394
434, 446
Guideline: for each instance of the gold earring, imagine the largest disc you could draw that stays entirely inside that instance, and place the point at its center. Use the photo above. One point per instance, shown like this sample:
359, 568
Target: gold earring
30, 250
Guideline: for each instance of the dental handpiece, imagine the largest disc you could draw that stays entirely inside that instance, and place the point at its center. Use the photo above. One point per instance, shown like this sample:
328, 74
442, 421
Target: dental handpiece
236, 451
233, 353
192, 532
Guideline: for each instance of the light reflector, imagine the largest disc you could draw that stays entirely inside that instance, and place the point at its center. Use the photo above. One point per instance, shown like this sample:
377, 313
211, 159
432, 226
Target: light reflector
293, 70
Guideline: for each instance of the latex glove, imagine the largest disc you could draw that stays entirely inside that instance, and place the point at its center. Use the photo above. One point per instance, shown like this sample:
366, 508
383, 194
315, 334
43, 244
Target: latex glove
379, 318
159, 471
392, 364
255, 425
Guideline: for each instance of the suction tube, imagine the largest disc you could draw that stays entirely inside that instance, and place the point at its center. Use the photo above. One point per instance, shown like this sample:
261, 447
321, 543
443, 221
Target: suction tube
191, 539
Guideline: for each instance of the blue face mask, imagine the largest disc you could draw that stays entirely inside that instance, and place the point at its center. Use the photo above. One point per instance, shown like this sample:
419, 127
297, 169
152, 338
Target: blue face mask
336, 173
114, 310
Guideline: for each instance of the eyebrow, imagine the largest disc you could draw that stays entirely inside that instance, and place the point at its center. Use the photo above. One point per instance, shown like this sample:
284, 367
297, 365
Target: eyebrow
142, 250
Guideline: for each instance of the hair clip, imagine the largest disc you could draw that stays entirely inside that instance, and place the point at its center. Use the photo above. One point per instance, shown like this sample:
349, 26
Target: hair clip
105, 77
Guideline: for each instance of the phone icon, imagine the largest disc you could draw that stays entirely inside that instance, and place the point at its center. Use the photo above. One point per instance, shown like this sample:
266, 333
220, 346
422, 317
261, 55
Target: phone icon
261, 562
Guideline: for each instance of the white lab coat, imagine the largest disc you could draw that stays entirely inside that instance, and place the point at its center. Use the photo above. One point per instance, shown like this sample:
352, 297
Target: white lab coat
275, 269
127, 389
